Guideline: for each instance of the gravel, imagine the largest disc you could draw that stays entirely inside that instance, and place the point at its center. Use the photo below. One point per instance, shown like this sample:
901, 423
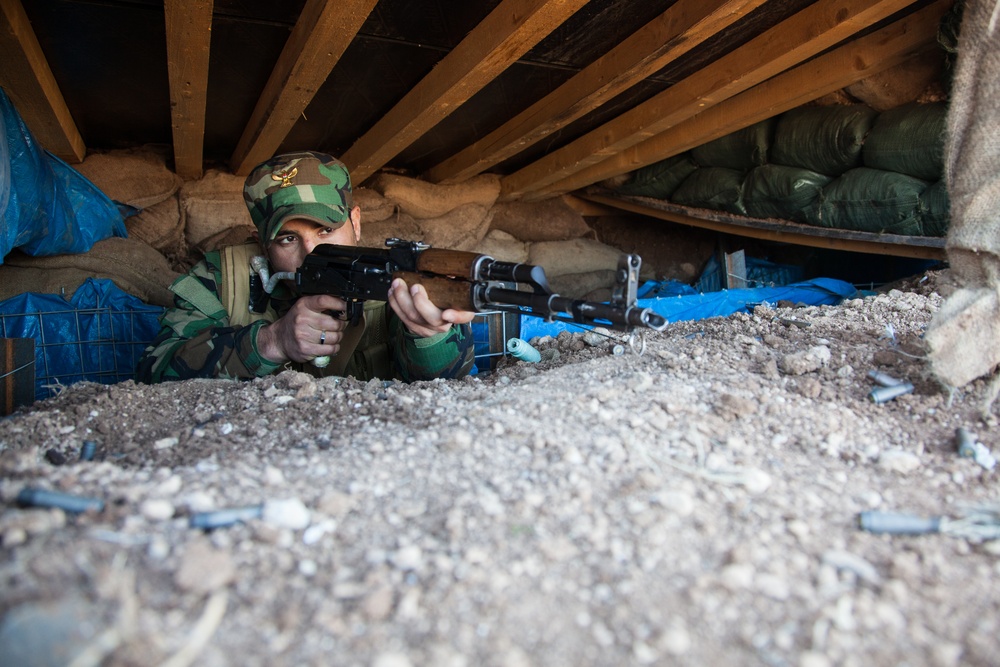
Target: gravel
696, 504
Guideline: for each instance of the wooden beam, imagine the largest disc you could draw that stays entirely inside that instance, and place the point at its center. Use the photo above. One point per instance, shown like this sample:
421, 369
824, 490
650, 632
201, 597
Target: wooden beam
506, 34
802, 36
675, 32
26, 78
322, 33
857, 60
920, 247
189, 38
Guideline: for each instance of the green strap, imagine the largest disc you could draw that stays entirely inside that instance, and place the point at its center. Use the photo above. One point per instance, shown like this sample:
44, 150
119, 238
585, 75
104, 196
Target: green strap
191, 290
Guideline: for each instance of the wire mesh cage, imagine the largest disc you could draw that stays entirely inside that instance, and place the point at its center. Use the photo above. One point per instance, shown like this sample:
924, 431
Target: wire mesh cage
100, 344
490, 333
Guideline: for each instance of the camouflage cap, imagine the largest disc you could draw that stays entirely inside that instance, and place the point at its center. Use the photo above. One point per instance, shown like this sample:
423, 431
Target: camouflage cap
309, 185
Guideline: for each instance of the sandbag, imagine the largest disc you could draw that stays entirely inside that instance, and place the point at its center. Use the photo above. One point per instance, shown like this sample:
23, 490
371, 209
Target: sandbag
503, 247
827, 140
910, 140
374, 207
786, 193
935, 209
900, 84
398, 226
160, 226
138, 177
427, 200
213, 204
592, 285
459, 229
573, 256
546, 220
871, 200
741, 150
661, 179
133, 266
714, 188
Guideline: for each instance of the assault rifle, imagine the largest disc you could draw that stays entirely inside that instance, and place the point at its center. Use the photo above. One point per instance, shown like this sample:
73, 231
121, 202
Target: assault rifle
466, 281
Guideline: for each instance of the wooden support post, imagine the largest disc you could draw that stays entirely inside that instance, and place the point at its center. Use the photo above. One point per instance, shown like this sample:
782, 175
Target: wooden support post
17, 373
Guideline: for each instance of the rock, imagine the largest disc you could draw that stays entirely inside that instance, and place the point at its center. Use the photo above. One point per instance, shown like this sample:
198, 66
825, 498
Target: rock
408, 558
286, 513
204, 569
899, 461
800, 363
157, 509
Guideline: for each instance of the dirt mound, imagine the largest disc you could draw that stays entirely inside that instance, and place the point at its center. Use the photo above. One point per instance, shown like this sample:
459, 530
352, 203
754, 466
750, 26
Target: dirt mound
693, 505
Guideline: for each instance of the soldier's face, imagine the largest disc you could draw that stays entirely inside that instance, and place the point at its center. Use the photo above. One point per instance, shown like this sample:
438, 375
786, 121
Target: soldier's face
297, 239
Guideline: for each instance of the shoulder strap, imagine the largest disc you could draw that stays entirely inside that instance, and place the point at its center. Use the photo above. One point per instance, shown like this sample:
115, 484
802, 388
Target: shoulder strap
234, 262
194, 292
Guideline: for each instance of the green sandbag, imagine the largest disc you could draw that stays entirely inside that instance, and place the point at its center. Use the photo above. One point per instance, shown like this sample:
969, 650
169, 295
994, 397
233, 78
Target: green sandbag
714, 188
908, 139
742, 150
872, 200
824, 139
935, 209
786, 193
659, 180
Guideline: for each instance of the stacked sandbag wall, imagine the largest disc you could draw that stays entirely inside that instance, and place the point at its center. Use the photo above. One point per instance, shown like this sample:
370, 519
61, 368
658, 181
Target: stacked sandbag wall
174, 222
842, 167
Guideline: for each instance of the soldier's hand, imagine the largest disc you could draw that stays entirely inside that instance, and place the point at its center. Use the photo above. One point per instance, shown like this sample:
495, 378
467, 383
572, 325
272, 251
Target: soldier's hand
419, 315
305, 332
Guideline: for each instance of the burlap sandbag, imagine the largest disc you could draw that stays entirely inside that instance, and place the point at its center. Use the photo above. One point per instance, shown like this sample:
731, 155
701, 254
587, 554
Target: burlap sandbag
132, 265
374, 207
137, 177
427, 200
964, 335
459, 229
159, 226
546, 220
573, 256
398, 226
503, 247
592, 285
211, 205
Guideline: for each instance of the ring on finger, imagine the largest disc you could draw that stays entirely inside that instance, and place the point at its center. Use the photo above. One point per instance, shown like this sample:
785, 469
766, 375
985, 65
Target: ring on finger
322, 338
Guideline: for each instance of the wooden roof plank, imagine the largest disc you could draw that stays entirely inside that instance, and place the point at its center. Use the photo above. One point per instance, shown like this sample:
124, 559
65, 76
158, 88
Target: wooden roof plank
675, 32
189, 37
832, 71
27, 79
505, 35
322, 33
920, 247
801, 36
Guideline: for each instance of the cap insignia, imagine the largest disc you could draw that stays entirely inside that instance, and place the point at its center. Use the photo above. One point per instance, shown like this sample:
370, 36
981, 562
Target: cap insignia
285, 177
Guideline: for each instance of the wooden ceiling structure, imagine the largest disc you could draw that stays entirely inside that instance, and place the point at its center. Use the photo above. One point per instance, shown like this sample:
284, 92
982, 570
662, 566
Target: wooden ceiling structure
613, 96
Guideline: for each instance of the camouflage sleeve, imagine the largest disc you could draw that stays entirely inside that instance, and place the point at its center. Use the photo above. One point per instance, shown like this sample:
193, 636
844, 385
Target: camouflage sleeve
449, 355
196, 340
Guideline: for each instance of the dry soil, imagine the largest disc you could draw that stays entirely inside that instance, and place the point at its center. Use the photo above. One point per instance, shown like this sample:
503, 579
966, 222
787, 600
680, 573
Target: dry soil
697, 504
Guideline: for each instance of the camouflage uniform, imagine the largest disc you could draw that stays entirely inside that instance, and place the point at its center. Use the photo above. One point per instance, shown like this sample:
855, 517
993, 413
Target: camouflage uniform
197, 339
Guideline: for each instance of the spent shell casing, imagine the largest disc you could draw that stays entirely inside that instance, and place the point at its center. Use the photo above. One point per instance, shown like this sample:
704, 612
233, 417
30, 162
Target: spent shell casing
226, 517
966, 443
885, 394
878, 377
30, 497
87, 450
894, 523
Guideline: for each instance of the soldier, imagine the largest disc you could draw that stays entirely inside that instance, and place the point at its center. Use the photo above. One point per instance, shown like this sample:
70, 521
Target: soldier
298, 201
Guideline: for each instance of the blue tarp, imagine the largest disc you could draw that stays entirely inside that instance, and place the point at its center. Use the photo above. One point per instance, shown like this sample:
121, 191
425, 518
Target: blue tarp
690, 305
97, 336
46, 206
